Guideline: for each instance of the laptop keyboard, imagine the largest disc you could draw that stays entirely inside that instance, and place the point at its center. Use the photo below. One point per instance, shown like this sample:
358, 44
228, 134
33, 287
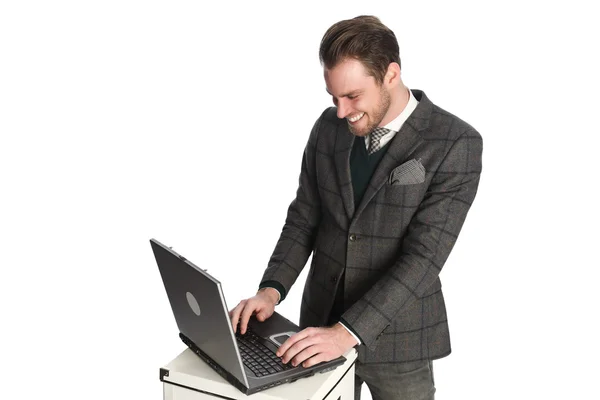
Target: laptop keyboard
258, 357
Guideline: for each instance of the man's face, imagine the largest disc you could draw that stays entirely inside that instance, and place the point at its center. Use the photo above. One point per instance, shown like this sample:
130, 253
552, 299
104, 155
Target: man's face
358, 97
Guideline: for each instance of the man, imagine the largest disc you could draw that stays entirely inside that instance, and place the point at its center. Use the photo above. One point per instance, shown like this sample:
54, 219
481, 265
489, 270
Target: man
380, 210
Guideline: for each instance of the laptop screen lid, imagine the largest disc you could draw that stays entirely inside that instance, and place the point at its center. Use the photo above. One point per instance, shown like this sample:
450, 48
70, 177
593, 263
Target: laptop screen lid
199, 308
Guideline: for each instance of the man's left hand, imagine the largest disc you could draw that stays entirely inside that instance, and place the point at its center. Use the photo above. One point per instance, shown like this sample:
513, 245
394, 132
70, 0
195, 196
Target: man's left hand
314, 345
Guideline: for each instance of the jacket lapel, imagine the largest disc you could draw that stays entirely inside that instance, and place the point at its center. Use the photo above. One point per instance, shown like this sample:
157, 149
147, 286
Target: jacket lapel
343, 147
401, 146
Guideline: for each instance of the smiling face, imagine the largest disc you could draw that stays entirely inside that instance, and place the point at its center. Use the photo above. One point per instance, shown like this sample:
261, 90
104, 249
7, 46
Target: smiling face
359, 98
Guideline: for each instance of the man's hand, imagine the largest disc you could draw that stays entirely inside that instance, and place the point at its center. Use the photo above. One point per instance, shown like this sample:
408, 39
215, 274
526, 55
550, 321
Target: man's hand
314, 345
263, 305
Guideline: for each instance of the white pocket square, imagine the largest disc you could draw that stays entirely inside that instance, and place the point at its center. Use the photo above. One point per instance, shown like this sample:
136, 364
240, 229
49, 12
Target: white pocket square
409, 173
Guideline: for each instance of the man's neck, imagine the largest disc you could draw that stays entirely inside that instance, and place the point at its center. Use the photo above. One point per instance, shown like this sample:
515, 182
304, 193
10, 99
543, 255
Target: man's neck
399, 101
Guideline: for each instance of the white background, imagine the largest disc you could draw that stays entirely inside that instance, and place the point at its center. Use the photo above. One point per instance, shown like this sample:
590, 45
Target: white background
126, 120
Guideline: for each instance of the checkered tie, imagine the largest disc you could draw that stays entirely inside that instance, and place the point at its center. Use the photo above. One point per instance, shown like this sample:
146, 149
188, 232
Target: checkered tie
374, 139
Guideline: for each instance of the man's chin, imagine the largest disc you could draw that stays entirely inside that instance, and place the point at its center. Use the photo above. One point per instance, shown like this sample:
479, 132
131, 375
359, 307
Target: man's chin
356, 131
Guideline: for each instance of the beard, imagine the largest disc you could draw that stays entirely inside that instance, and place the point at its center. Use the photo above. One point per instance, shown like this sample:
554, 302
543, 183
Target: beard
376, 117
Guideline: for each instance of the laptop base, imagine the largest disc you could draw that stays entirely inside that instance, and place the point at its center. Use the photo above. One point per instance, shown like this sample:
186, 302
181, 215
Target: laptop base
227, 376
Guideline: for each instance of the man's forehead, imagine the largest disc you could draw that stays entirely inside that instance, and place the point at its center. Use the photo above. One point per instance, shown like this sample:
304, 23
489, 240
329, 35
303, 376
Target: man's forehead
347, 78
346, 72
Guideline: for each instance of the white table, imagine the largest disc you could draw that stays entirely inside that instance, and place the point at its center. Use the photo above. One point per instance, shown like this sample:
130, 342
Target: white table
188, 377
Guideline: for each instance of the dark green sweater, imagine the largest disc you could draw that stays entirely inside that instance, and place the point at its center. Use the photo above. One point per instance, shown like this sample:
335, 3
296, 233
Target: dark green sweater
362, 167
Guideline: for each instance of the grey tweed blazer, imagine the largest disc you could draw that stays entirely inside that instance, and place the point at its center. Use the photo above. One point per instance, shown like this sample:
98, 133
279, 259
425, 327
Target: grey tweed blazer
392, 245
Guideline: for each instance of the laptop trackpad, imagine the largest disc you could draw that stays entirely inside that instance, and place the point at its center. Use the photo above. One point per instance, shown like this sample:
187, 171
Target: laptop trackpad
280, 338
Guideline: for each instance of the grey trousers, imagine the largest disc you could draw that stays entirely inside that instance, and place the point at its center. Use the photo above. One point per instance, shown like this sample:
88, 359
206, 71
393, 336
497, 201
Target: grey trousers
406, 381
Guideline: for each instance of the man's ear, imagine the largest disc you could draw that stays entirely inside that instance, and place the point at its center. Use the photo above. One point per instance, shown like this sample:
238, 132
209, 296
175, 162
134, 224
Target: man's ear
392, 75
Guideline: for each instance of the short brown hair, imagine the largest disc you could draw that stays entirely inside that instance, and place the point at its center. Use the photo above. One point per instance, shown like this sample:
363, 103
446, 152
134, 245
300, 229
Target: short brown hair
363, 38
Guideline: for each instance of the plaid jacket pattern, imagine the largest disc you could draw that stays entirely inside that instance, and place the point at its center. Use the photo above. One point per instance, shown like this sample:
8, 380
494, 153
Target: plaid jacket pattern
393, 245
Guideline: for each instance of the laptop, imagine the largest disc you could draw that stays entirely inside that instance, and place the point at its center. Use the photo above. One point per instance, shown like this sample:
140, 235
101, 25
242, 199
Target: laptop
246, 361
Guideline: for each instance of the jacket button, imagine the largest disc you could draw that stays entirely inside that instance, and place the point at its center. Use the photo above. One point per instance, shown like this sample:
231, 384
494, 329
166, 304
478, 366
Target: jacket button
352, 237
334, 279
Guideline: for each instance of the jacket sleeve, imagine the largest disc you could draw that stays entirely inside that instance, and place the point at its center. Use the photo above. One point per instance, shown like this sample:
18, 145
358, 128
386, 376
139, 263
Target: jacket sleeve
296, 241
430, 236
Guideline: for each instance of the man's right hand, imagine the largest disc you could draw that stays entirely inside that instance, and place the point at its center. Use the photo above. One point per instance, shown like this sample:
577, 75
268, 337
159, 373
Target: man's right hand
262, 305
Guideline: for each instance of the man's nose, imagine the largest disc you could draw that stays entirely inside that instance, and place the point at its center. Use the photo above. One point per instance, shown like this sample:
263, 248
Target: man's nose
342, 109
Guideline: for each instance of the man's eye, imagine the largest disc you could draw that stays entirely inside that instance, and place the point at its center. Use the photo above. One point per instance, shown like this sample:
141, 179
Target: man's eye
352, 97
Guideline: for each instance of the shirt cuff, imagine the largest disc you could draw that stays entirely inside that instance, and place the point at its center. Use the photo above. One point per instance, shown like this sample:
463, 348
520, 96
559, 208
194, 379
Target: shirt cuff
355, 336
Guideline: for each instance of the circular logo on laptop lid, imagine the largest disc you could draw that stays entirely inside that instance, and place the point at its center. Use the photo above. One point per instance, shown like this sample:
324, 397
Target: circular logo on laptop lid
193, 303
